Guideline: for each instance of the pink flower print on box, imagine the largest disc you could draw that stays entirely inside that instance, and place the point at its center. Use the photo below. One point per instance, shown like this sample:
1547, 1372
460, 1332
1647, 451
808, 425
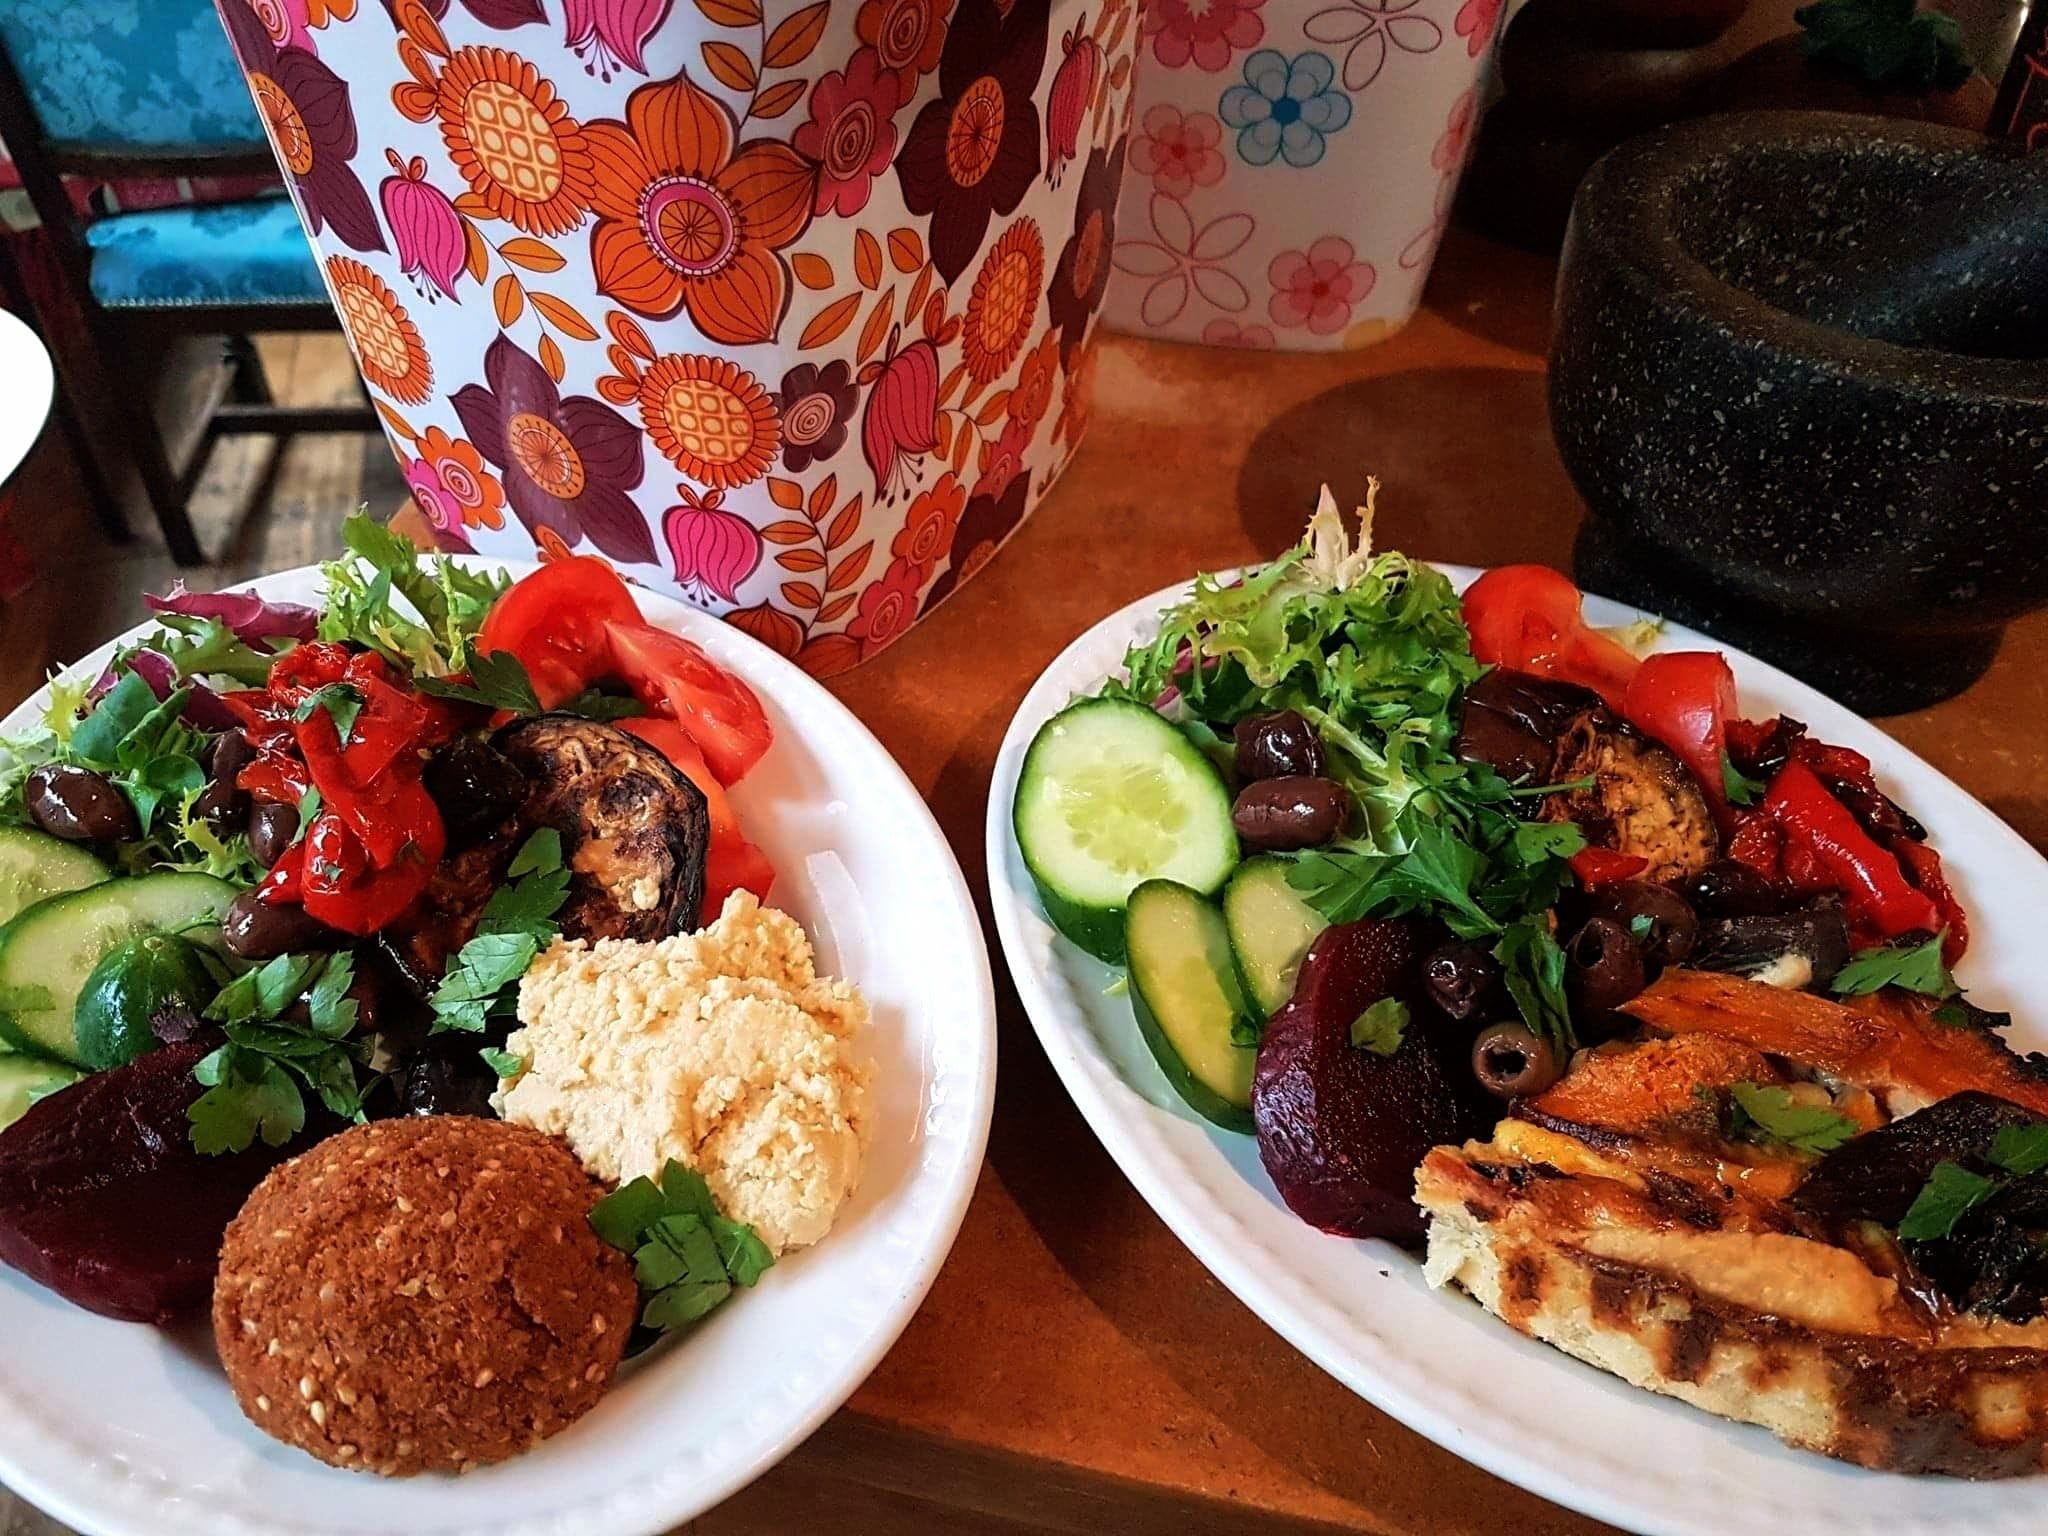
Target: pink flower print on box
1202, 32
432, 241
1370, 30
1476, 22
1183, 260
609, 35
1317, 288
1178, 150
1226, 332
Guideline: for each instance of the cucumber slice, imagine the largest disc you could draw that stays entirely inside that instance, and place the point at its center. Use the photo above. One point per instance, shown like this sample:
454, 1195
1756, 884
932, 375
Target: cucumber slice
1186, 994
34, 865
24, 1079
47, 952
1110, 796
1271, 929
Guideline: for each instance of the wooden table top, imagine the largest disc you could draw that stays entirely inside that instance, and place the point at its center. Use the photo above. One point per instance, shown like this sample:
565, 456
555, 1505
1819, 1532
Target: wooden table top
1074, 1369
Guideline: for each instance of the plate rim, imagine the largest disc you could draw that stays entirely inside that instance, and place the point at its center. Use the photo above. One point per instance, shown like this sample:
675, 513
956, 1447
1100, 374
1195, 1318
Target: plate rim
101, 1506
1457, 1421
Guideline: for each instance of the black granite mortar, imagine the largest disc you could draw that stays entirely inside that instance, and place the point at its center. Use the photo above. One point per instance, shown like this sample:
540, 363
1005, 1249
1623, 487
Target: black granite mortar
1801, 378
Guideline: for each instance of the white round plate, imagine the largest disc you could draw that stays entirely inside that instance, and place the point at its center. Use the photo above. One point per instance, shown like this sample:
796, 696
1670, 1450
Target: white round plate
1435, 1360
117, 1428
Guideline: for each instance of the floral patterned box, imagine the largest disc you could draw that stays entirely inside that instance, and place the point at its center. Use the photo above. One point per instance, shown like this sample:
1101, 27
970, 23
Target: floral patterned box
782, 306
1292, 166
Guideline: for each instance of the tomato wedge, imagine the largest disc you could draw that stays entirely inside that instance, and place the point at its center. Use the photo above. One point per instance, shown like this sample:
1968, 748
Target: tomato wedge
1527, 617
554, 622
674, 677
1685, 700
733, 862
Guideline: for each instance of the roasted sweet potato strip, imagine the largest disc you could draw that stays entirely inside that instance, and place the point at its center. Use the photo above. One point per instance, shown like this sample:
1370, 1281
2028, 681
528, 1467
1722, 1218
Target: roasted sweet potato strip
1890, 1043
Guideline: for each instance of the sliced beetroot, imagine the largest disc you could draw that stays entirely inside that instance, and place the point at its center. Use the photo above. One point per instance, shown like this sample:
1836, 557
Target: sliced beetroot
104, 1200
1341, 1128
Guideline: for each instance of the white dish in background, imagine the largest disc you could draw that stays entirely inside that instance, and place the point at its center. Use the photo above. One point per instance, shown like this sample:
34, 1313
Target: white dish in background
1435, 1360
122, 1430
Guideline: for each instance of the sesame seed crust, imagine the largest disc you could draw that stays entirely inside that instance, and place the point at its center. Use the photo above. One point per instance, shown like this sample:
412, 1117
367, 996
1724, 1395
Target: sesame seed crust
379, 1284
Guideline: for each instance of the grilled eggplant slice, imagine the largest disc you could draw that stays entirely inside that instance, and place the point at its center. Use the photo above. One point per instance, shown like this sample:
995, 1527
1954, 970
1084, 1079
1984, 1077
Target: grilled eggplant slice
635, 830
1642, 800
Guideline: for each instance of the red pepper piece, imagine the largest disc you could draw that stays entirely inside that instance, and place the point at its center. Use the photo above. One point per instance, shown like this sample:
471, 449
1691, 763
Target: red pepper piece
1924, 865
1598, 868
1759, 843
1879, 895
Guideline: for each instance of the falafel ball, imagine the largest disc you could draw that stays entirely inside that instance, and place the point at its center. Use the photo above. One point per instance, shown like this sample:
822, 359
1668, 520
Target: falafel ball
421, 1294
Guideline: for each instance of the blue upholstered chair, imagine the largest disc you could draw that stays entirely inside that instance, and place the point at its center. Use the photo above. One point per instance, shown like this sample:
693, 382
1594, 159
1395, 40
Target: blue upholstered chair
111, 89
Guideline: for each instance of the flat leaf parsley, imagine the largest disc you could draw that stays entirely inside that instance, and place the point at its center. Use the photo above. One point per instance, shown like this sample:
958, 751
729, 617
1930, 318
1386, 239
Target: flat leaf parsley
517, 923
686, 1256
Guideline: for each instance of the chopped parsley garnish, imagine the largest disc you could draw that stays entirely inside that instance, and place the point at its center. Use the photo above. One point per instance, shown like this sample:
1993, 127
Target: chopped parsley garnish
2021, 1150
1737, 786
595, 704
497, 679
1912, 967
504, 1063
1768, 1113
517, 923
686, 1256
1532, 968
1379, 1028
343, 703
254, 1083
1949, 1194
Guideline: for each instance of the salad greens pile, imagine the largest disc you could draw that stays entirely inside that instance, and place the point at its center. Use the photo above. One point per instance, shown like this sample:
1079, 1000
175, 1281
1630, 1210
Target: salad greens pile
1372, 650
445, 603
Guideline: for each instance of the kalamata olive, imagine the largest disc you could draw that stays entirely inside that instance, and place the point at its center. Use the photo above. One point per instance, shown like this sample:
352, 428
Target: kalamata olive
1661, 921
1460, 978
78, 805
1512, 1062
1726, 888
443, 1085
220, 804
254, 929
1277, 745
1293, 812
1603, 965
273, 827
227, 755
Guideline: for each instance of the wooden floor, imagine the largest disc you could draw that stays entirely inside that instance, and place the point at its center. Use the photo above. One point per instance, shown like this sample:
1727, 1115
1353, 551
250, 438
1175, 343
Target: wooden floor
87, 588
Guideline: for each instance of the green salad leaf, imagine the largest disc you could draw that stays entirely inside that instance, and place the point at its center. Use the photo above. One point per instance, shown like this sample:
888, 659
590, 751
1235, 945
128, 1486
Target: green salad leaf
419, 611
1373, 651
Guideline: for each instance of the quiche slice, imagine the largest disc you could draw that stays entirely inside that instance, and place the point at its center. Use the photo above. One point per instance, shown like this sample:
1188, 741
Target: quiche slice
1620, 1217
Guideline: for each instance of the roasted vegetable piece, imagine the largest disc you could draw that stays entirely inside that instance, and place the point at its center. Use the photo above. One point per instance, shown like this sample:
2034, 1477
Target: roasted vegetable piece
1342, 1126
104, 1200
1642, 801
634, 829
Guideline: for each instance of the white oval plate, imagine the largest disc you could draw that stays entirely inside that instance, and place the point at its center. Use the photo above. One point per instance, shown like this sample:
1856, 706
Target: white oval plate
1432, 1359
117, 1428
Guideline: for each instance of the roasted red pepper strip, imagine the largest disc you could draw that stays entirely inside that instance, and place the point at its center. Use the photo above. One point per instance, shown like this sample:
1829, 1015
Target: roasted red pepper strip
1598, 868
1880, 897
1924, 865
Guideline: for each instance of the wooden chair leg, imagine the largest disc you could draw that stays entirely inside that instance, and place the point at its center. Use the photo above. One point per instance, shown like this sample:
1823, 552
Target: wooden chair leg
251, 383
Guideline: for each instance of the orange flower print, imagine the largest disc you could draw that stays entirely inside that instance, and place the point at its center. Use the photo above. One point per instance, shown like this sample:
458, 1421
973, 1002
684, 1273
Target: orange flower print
1004, 301
910, 35
711, 418
386, 343
888, 607
928, 526
1032, 394
689, 220
509, 134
